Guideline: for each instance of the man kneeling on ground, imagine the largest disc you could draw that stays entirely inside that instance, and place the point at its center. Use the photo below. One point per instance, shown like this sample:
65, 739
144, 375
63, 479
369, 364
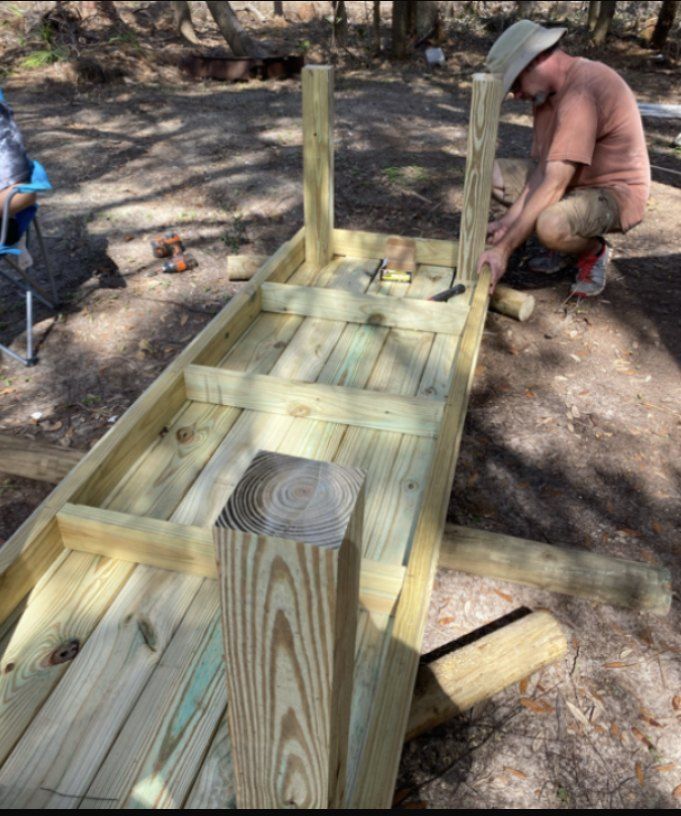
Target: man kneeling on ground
589, 174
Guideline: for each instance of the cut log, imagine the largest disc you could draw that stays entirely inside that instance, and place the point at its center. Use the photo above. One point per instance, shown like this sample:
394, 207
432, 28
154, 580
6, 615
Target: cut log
480, 670
587, 575
512, 303
20, 456
243, 267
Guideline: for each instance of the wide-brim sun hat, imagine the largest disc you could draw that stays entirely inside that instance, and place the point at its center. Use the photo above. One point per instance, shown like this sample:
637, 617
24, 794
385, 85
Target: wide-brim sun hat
517, 47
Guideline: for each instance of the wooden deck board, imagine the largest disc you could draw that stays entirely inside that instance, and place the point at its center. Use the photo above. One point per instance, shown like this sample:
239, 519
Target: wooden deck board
187, 764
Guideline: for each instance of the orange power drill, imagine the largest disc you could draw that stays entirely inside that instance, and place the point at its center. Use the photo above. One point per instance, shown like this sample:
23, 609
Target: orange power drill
167, 245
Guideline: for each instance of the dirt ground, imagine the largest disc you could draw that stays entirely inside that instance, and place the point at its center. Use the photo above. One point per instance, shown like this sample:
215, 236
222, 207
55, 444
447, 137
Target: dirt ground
574, 425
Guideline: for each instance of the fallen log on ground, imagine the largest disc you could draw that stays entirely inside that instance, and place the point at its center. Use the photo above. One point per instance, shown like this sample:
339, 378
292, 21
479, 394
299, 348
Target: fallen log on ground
601, 578
466, 676
31, 459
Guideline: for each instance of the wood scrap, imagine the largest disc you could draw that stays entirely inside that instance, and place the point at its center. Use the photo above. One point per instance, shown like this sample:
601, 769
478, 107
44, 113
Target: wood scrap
584, 574
33, 459
474, 673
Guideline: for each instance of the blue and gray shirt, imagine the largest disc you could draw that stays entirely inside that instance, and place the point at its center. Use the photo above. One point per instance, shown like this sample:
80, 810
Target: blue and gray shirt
15, 165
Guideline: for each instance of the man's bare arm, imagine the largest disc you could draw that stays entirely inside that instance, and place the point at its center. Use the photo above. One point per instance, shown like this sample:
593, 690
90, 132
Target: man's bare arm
555, 179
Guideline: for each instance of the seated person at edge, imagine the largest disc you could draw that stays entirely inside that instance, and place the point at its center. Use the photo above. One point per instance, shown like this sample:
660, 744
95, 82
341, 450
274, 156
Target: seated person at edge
589, 173
15, 169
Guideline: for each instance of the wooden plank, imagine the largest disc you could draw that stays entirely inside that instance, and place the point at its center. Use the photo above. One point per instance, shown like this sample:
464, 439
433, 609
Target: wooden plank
360, 244
378, 310
329, 403
477, 188
60, 752
289, 612
381, 752
584, 574
35, 545
157, 755
34, 459
61, 612
317, 81
396, 484
214, 785
472, 674
188, 549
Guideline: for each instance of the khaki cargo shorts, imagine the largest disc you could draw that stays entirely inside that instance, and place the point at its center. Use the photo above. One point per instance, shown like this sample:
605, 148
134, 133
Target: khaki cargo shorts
589, 211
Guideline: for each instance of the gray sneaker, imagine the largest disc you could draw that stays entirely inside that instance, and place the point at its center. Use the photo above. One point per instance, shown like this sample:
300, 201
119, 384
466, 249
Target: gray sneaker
591, 275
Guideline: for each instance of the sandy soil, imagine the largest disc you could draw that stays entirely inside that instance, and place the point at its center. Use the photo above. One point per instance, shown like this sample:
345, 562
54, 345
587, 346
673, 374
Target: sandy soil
573, 431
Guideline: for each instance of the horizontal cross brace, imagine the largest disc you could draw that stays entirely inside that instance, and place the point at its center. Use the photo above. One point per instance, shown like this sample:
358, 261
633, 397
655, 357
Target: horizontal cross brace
376, 310
183, 548
359, 244
418, 416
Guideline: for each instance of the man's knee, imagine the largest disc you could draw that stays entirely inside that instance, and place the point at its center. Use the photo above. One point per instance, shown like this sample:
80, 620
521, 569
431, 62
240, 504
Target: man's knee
553, 228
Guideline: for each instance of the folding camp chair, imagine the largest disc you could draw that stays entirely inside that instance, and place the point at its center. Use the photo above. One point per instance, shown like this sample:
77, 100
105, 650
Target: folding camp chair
19, 260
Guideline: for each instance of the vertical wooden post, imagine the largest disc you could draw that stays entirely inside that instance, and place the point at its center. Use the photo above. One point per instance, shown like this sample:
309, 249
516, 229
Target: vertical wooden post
477, 188
318, 163
289, 550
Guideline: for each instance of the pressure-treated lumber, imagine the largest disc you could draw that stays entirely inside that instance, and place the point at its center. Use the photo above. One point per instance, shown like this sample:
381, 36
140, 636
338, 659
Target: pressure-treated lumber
360, 244
32, 459
317, 83
474, 673
243, 267
385, 730
36, 544
190, 549
512, 303
477, 188
329, 403
377, 310
289, 545
572, 572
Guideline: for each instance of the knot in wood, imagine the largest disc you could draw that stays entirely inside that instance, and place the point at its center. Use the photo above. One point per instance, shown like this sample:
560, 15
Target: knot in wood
64, 652
185, 434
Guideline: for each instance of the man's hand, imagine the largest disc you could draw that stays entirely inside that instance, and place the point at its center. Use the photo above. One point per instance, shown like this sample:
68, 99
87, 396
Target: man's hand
496, 230
497, 260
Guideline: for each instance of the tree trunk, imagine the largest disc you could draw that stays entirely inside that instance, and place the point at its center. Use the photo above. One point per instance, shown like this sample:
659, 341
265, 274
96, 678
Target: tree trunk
525, 8
377, 26
664, 23
239, 40
278, 8
400, 28
605, 15
183, 21
594, 9
340, 22
425, 17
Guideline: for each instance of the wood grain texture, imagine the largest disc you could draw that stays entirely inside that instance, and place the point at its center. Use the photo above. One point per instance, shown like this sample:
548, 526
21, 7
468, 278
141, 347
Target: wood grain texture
343, 405
580, 573
157, 755
35, 545
472, 674
289, 613
477, 188
214, 786
187, 549
317, 81
378, 310
377, 767
360, 244
512, 303
32, 459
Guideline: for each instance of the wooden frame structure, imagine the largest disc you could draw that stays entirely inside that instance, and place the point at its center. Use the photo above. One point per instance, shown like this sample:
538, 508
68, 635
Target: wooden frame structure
112, 680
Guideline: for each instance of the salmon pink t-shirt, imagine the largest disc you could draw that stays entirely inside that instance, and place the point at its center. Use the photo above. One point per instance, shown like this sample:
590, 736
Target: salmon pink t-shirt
594, 121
